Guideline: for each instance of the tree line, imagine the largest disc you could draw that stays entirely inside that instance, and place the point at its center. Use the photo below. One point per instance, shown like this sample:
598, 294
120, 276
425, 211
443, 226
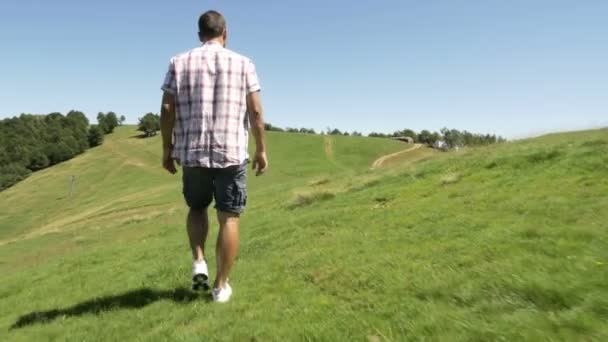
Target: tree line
33, 142
329, 131
449, 137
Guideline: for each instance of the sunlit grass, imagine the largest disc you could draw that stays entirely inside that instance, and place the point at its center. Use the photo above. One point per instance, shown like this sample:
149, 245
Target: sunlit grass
507, 242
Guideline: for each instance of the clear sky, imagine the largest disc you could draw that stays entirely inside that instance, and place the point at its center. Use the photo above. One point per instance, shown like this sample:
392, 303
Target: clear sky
512, 68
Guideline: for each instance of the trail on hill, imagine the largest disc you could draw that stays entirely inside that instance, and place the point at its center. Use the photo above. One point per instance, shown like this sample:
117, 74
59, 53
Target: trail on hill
329, 148
111, 207
378, 162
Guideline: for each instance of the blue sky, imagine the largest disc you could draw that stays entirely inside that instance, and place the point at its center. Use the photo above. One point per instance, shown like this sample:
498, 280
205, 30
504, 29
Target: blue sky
514, 68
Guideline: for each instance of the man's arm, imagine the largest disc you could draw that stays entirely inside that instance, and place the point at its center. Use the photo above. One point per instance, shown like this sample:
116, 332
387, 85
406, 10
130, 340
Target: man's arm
167, 121
256, 119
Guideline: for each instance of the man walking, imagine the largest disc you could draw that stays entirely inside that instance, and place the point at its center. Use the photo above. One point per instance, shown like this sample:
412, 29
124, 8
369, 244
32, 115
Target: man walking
210, 96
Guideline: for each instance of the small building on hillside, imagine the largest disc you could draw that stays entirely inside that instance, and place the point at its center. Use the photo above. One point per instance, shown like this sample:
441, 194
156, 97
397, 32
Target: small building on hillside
441, 145
408, 140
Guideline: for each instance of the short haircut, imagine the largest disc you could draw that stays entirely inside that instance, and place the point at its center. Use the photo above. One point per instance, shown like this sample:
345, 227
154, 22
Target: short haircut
211, 24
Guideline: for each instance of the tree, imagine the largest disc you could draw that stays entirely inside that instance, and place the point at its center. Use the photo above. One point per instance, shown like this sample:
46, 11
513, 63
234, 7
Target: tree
377, 135
121, 121
77, 118
58, 152
107, 121
307, 130
452, 137
405, 133
149, 124
102, 123
33, 142
270, 127
38, 160
424, 137
435, 136
95, 136
79, 124
11, 174
111, 121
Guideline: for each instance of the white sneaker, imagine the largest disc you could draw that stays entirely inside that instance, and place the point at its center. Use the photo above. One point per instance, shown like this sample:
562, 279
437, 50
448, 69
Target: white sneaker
222, 295
200, 276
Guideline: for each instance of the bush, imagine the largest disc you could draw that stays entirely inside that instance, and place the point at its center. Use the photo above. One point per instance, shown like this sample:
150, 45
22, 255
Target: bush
11, 174
95, 136
107, 121
58, 152
38, 161
149, 124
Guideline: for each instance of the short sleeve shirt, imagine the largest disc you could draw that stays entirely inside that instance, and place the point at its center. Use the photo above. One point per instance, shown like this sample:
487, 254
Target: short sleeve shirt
210, 84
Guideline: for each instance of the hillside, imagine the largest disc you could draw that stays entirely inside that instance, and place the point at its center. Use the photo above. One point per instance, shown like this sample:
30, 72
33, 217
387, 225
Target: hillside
502, 242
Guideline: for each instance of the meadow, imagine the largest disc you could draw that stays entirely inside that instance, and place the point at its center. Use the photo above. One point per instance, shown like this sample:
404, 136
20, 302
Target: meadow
505, 242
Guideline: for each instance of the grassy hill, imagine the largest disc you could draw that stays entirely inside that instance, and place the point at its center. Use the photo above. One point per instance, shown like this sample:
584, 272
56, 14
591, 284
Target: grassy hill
504, 242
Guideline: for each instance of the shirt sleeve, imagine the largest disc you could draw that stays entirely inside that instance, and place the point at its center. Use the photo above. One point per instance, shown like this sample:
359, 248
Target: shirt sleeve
253, 84
170, 84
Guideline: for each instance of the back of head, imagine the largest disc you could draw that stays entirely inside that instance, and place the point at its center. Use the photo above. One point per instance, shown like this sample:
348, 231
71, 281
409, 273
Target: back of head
211, 25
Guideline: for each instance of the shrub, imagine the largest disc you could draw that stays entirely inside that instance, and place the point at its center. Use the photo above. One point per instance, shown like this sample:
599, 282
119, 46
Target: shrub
95, 136
11, 174
149, 124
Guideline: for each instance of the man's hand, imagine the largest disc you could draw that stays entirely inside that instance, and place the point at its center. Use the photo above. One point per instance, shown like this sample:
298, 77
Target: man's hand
260, 163
168, 162
254, 110
167, 121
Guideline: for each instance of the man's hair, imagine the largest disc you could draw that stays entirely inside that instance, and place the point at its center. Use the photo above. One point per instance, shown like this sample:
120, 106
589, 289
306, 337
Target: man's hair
211, 24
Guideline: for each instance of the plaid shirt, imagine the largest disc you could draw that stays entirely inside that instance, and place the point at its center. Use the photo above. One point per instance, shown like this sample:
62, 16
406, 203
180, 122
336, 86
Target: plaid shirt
210, 84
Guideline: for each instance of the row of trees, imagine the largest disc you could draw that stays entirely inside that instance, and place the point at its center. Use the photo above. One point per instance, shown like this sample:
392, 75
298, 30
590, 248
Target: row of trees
270, 127
108, 121
329, 131
33, 142
449, 137
336, 131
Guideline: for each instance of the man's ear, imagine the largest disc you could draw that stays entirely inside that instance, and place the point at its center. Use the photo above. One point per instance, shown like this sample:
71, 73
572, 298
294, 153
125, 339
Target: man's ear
225, 36
200, 38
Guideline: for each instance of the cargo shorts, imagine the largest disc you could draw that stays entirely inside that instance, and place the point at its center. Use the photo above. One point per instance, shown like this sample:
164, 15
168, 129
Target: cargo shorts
228, 186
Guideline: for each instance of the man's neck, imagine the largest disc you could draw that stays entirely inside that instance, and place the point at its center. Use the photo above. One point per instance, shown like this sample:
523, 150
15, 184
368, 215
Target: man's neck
215, 41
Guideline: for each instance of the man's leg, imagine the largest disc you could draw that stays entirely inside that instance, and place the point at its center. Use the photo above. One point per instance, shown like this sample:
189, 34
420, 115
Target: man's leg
227, 246
198, 193
230, 201
198, 227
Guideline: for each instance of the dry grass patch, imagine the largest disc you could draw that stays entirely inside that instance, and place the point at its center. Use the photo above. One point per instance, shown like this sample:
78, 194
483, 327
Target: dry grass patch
450, 178
321, 181
304, 199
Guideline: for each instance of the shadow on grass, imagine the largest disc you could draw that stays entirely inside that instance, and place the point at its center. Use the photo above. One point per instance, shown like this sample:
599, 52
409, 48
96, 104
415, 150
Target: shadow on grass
142, 136
130, 300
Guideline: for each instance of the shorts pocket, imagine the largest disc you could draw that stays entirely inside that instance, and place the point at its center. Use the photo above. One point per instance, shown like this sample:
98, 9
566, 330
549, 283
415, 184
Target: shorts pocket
239, 194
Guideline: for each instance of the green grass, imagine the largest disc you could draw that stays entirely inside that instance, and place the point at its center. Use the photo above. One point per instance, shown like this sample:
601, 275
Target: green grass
508, 242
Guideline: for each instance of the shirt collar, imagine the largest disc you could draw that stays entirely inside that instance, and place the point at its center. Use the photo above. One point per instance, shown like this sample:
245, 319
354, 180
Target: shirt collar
214, 44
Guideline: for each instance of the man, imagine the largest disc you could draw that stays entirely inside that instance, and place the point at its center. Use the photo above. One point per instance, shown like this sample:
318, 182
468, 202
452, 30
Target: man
210, 96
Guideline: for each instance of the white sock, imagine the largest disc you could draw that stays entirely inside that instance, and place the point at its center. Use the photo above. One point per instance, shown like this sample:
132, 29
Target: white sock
199, 267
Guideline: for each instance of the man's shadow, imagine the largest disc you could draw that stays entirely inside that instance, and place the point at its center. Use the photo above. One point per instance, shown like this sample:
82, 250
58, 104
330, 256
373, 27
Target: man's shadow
130, 300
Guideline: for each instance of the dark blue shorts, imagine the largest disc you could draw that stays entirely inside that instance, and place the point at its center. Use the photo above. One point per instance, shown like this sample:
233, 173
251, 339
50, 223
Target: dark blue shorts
227, 185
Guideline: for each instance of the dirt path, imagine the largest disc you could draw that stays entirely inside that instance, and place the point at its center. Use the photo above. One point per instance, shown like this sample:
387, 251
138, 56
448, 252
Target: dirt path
378, 162
329, 148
